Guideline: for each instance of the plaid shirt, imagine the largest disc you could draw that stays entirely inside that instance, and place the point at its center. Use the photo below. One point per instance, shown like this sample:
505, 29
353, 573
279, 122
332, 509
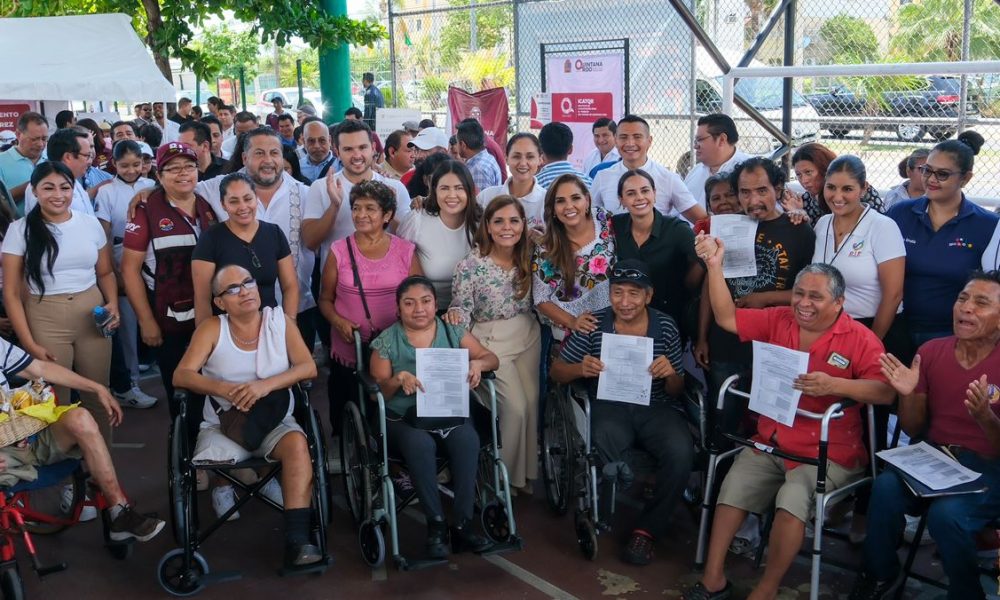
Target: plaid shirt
485, 170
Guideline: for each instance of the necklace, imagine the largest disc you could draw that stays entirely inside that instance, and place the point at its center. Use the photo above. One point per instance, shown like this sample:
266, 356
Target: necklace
241, 341
829, 226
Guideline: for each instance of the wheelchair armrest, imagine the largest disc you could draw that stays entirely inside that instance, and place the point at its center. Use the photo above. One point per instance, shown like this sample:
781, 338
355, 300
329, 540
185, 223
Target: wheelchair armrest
488, 375
368, 382
358, 347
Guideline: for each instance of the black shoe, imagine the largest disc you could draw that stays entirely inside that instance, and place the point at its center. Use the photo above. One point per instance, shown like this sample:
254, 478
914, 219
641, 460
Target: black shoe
300, 555
437, 538
866, 587
465, 539
639, 550
699, 592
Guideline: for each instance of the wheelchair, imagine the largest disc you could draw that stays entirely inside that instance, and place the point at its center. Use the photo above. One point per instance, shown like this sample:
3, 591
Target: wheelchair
39, 507
183, 571
371, 497
571, 465
824, 499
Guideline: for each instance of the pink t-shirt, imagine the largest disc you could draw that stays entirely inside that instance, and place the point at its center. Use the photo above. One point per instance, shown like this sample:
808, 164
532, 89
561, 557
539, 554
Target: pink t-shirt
949, 422
379, 279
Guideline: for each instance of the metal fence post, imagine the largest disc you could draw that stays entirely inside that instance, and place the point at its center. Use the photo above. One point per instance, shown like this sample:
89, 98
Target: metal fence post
963, 95
786, 91
243, 88
392, 53
298, 79
197, 91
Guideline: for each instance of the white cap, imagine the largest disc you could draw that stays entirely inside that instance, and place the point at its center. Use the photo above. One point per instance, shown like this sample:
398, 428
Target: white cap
432, 137
145, 150
7, 136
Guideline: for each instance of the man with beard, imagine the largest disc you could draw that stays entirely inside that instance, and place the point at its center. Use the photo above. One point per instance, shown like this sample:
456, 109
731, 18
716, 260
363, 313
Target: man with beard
326, 221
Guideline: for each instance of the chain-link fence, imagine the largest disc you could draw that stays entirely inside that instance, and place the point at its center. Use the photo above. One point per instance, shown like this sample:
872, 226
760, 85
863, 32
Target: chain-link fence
671, 79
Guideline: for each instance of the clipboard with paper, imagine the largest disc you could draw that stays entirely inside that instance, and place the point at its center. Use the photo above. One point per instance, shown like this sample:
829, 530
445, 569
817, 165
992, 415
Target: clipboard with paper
930, 473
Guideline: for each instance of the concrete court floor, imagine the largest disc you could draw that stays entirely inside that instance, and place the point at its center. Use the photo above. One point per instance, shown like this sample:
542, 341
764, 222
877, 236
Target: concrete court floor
550, 566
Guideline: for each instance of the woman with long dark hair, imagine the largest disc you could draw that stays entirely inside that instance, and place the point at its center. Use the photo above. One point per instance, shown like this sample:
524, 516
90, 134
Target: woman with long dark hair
491, 296
444, 230
58, 269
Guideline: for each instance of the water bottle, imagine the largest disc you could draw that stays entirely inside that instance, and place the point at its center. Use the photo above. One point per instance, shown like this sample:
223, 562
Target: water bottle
103, 318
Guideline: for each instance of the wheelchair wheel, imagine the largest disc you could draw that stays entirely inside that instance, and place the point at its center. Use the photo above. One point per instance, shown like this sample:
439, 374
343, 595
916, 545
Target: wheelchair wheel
320, 476
178, 580
495, 522
586, 536
558, 461
354, 459
11, 585
180, 479
58, 501
372, 543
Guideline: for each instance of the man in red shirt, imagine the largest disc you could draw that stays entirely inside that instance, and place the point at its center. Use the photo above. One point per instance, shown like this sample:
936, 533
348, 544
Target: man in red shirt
843, 363
945, 397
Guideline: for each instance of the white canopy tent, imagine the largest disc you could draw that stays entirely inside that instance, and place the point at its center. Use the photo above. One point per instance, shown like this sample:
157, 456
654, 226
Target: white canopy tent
85, 57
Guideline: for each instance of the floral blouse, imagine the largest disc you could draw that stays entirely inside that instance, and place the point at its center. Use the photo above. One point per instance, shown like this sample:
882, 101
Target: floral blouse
593, 265
482, 290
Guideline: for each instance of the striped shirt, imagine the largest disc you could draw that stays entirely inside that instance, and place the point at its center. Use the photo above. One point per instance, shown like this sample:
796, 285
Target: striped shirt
667, 343
485, 171
552, 171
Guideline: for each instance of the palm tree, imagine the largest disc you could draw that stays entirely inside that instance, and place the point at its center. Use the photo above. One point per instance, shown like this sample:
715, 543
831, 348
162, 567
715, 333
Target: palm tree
931, 30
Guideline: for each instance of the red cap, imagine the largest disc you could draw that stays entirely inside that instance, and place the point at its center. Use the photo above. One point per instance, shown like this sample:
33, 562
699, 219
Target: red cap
172, 150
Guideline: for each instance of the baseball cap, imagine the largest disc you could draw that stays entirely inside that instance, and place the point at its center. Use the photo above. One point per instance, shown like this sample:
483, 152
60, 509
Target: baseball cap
145, 150
307, 109
431, 137
168, 152
411, 126
631, 270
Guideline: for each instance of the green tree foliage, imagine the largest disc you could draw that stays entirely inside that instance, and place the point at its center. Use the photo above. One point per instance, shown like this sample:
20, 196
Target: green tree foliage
225, 52
168, 26
492, 25
850, 39
931, 30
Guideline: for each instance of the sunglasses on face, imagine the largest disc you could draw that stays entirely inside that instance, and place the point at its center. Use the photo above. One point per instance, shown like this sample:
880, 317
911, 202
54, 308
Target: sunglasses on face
234, 290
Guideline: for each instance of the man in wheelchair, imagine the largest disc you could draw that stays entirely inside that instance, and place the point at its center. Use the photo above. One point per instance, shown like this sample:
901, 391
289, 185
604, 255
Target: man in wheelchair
946, 397
843, 363
660, 428
246, 362
74, 436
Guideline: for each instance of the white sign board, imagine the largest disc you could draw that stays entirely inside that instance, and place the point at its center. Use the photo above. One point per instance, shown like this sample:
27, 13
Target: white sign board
388, 120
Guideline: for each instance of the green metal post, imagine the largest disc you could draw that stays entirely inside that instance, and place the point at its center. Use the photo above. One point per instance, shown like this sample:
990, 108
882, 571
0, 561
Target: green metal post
335, 70
298, 79
243, 88
197, 91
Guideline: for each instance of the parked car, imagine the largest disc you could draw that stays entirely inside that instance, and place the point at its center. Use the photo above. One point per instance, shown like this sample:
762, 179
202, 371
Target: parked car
290, 98
938, 99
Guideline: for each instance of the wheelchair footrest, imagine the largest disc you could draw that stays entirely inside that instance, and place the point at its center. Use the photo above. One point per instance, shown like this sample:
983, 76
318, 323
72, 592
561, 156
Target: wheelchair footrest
44, 572
515, 544
317, 568
404, 564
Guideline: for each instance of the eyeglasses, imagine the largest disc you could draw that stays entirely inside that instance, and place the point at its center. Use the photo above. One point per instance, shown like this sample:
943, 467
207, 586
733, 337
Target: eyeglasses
628, 274
939, 175
701, 140
178, 170
89, 156
234, 290
253, 257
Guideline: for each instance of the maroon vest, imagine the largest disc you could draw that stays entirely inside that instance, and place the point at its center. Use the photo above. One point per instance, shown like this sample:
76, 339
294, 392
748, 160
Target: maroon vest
173, 240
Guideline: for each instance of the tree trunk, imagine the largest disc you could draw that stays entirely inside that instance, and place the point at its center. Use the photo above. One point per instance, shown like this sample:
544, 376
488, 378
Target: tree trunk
153, 23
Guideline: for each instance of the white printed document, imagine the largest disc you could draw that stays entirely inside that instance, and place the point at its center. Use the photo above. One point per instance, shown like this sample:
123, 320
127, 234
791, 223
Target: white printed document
929, 466
739, 234
444, 373
775, 369
625, 377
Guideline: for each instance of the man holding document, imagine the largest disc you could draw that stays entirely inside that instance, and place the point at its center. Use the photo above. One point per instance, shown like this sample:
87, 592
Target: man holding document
947, 398
632, 365
843, 362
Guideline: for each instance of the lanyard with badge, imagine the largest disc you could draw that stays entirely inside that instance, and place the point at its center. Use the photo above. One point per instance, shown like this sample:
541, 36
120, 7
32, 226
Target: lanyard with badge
829, 226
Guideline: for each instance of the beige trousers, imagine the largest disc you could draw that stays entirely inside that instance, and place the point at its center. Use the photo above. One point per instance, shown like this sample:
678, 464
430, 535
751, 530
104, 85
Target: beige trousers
64, 325
516, 342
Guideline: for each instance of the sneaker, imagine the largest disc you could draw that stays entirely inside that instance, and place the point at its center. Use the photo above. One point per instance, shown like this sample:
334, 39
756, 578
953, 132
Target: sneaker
867, 587
144, 367
911, 532
639, 550
272, 491
224, 498
135, 398
87, 513
131, 525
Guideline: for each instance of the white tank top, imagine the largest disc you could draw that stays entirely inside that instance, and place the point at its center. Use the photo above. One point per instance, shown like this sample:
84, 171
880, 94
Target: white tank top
231, 364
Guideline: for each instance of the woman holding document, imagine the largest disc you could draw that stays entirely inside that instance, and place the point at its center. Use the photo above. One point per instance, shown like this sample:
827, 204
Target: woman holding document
415, 437
491, 295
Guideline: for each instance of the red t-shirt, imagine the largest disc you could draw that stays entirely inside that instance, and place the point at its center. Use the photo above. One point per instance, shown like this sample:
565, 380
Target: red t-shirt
847, 338
406, 177
949, 422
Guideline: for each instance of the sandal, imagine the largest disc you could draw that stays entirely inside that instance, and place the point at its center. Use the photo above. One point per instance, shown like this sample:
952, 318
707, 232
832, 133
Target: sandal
699, 592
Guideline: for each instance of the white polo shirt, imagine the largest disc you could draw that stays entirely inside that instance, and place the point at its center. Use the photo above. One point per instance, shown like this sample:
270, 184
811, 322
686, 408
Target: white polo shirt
671, 193
594, 158
699, 174
278, 211
533, 203
319, 200
81, 200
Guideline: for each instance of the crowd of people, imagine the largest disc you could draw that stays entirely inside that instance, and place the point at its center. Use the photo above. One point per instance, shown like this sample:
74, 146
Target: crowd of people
233, 249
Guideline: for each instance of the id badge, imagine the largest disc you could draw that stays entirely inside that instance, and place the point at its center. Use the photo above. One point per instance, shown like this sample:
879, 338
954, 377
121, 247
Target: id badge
838, 360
